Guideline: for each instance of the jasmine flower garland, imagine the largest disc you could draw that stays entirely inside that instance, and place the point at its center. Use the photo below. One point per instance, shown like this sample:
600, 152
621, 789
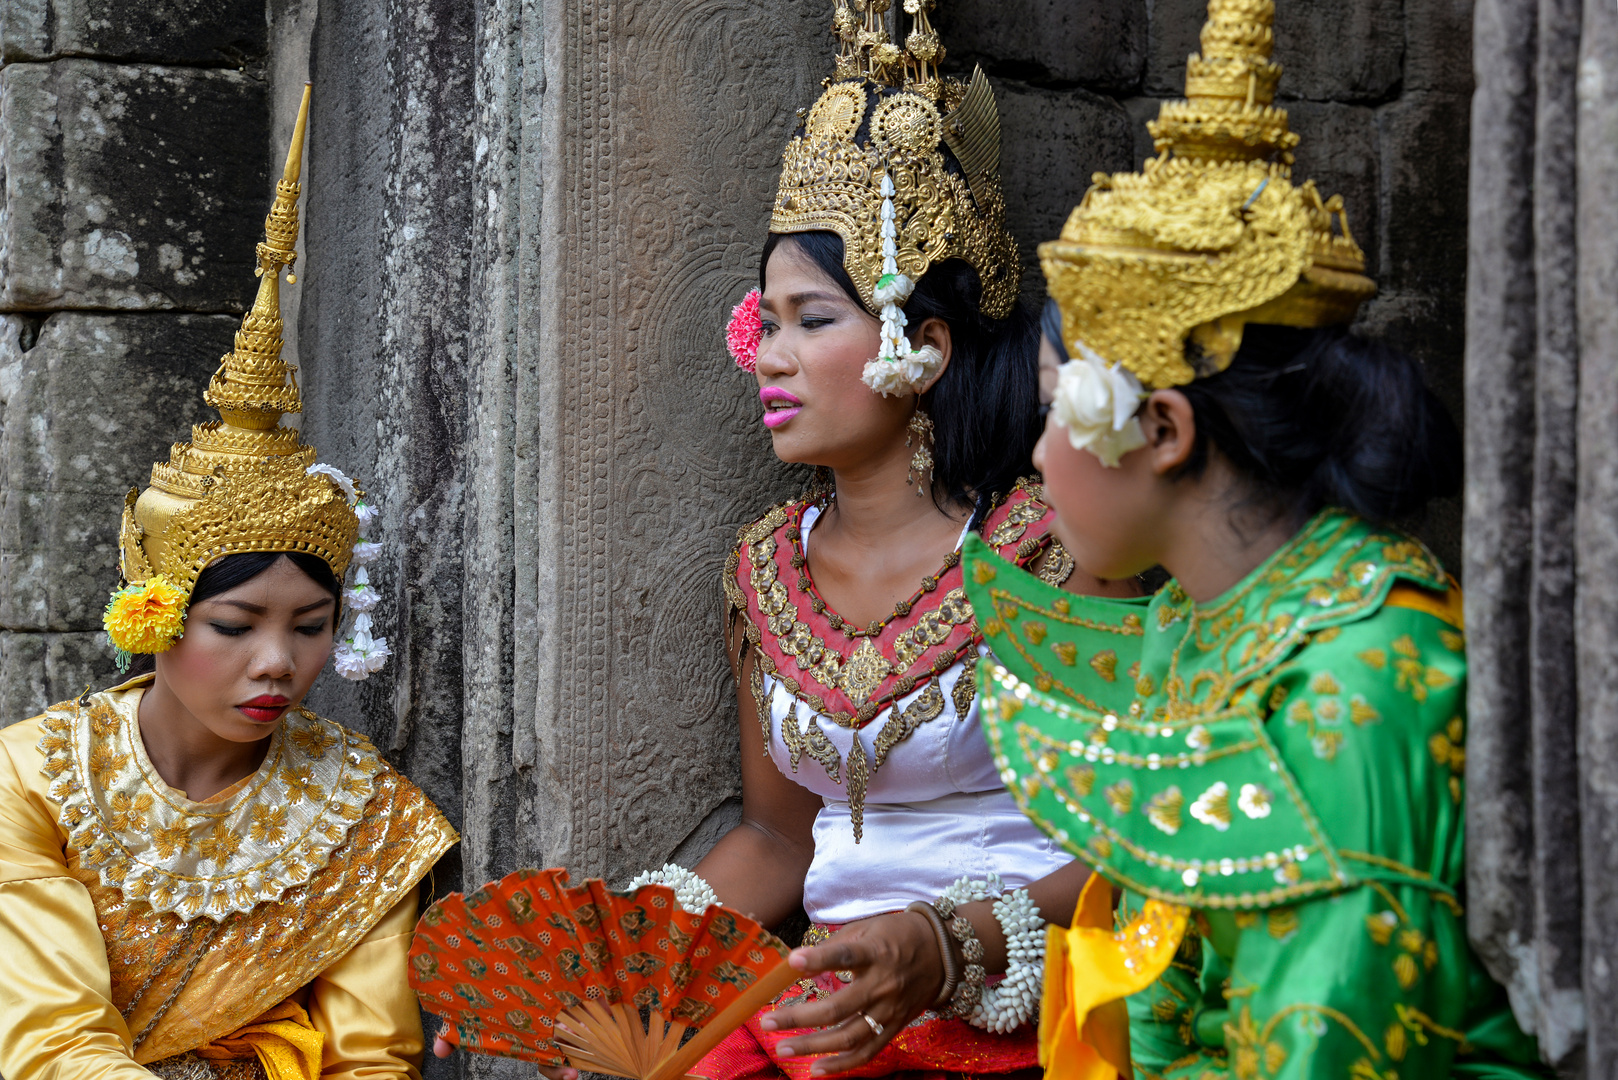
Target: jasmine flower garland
898, 369
358, 654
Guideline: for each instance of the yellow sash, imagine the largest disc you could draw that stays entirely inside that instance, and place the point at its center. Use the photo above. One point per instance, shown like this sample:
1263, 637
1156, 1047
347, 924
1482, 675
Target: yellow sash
1089, 969
284, 1040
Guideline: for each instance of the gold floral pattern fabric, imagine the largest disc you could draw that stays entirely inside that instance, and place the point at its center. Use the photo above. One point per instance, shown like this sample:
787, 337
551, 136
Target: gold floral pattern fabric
209, 859
167, 984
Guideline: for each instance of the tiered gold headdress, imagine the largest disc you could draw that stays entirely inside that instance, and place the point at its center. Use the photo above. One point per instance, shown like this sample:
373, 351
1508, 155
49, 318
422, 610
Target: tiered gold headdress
1212, 234
243, 483
879, 135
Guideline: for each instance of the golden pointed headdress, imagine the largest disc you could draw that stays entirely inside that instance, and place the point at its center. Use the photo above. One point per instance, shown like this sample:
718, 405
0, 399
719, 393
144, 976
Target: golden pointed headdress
244, 483
889, 112
1212, 234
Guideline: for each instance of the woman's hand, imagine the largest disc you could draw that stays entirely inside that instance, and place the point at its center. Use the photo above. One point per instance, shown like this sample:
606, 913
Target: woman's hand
898, 973
443, 1049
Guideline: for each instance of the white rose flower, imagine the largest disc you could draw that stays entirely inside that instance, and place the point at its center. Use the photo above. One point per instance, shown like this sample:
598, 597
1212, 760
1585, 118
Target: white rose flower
1096, 404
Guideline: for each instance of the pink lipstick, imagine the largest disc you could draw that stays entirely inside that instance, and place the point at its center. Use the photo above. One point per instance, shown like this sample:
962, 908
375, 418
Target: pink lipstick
779, 406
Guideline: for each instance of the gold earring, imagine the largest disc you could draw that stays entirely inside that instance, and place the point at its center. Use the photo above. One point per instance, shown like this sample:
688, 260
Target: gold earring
921, 462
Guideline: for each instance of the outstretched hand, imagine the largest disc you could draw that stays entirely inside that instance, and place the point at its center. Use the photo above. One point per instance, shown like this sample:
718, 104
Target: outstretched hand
898, 973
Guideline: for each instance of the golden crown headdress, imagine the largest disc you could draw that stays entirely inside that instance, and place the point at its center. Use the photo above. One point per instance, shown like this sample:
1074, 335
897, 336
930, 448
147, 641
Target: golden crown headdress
243, 483
1210, 235
889, 116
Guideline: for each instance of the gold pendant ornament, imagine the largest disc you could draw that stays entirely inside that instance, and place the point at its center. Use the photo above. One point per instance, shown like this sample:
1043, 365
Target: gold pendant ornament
1212, 234
921, 462
935, 141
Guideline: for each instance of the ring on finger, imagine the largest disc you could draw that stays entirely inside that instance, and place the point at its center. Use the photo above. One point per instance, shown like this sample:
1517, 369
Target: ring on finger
876, 1028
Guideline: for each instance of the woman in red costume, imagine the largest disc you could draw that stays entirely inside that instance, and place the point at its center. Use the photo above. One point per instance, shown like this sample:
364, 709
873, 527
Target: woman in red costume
889, 350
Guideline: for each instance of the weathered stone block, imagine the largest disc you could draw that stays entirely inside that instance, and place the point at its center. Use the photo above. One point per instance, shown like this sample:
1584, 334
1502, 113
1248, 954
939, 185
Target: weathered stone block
38, 670
83, 413
1338, 151
1052, 142
130, 187
1424, 141
1350, 51
174, 32
1438, 46
1094, 43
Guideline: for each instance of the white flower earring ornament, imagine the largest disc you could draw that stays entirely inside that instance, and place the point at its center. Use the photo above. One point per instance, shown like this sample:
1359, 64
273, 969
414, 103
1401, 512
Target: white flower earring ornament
1096, 403
898, 369
357, 654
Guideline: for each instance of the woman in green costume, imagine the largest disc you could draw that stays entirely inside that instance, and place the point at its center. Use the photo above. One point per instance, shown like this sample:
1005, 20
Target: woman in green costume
1265, 760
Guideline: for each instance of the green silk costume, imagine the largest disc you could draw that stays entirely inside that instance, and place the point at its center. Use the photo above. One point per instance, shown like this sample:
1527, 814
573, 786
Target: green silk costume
1287, 762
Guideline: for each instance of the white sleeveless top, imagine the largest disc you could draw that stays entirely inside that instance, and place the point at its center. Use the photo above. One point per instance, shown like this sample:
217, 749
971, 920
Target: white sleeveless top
935, 811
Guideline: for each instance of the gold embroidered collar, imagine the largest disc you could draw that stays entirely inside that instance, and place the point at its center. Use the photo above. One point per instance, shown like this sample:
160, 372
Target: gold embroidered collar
152, 843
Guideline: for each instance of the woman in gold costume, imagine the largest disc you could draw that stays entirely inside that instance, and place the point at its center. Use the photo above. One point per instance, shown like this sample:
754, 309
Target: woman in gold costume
199, 877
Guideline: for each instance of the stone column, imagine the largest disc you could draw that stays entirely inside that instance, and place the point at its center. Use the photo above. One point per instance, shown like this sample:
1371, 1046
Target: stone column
133, 147
1542, 506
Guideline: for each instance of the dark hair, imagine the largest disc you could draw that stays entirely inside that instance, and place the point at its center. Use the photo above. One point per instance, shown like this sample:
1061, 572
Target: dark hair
985, 407
1324, 417
225, 574
1050, 324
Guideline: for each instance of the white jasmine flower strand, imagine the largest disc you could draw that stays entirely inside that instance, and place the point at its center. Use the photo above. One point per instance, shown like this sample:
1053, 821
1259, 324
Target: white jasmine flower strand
898, 369
359, 654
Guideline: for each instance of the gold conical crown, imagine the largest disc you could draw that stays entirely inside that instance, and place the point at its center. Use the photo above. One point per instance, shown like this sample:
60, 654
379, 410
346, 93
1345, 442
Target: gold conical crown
1212, 234
243, 482
909, 115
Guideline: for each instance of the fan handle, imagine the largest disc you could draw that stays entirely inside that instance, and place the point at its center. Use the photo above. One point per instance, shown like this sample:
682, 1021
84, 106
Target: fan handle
734, 1016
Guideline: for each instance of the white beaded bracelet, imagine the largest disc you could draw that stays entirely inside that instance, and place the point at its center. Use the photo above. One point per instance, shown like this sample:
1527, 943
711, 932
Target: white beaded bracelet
692, 893
1014, 1001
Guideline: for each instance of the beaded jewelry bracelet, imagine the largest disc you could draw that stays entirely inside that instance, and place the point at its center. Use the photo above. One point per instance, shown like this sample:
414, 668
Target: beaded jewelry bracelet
693, 894
952, 976
969, 993
1014, 1001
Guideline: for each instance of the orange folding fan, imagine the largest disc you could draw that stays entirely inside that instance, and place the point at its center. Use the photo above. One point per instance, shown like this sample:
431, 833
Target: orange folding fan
532, 967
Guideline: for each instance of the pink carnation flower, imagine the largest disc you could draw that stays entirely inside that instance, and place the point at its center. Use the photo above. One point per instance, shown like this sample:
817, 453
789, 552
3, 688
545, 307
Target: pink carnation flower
745, 331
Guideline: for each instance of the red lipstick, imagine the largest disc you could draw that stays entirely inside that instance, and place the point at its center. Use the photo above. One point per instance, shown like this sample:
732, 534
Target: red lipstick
264, 709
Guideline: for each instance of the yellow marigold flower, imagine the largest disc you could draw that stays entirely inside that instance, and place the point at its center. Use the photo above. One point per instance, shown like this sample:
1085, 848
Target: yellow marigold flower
145, 618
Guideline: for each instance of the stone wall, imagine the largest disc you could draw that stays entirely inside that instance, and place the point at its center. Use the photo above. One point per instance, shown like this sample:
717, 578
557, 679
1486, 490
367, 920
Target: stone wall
133, 149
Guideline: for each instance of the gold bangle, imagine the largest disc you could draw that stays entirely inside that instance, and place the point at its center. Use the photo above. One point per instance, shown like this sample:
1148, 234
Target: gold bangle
952, 974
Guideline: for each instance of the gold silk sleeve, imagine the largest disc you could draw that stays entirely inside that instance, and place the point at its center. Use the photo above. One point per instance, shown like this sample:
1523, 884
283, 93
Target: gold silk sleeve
57, 1020
364, 1006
